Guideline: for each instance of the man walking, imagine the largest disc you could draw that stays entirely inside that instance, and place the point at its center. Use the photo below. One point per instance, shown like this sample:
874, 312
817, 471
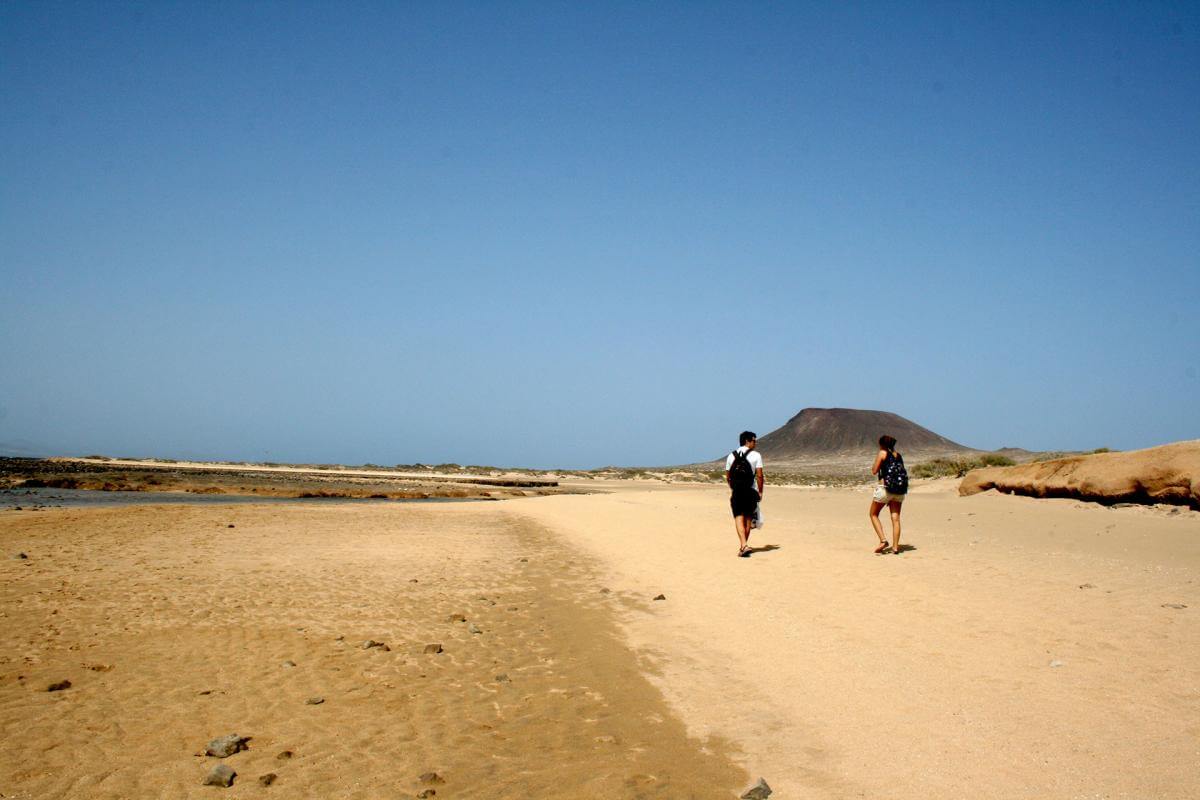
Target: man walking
744, 474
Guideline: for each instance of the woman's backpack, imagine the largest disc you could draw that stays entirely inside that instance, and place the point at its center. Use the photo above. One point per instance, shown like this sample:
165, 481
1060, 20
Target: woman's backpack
895, 476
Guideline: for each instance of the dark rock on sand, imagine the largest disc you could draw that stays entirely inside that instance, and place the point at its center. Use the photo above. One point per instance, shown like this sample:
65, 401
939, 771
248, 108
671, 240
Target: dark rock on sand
456, 618
503, 678
424, 793
759, 791
370, 643
473, 628
20, 556
224, 746
314, 701
220, 775
284, 755
268, 779
289, 663
58, 687
1174, 605
661, 597
433, 648
432, 778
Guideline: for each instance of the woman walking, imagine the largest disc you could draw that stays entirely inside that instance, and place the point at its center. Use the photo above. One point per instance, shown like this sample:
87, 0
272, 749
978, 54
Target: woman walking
892, 488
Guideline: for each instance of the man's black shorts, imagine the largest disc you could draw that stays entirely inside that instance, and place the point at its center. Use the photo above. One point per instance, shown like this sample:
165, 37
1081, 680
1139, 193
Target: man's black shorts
744, 502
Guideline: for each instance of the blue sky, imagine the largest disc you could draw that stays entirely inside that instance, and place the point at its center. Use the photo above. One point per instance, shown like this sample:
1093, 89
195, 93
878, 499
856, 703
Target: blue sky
566, 234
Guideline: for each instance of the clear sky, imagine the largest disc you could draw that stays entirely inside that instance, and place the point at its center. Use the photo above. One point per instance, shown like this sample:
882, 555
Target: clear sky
567, 234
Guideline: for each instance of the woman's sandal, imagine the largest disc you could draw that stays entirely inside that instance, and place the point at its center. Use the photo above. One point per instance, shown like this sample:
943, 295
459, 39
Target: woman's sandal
883, 548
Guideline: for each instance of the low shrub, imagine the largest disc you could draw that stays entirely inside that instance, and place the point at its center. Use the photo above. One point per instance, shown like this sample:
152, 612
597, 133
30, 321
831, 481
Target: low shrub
958, 467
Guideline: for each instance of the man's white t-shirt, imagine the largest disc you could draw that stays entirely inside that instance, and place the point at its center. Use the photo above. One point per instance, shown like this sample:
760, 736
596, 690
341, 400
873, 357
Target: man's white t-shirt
755, 459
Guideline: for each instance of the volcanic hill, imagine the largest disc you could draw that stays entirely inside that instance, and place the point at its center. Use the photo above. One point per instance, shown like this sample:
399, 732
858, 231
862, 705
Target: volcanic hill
842, 436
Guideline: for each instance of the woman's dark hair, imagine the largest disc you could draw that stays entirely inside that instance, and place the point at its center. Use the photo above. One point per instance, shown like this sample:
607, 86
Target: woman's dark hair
887, 443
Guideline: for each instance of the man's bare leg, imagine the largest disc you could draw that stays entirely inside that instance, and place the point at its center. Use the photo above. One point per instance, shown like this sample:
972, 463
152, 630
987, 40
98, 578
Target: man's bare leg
742, 526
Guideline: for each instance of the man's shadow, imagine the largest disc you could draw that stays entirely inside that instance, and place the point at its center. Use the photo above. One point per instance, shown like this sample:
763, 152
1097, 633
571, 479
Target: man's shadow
766, 548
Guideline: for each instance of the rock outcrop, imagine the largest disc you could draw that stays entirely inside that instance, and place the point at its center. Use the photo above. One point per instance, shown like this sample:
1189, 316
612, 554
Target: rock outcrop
1166, 474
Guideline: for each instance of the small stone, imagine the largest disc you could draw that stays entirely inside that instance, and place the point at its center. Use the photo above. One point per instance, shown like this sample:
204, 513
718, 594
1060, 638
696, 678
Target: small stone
1165, 605
512, 608
268, 779
340, 639
314, 701
473, 628
284, 755
432, 778
456, 618
413, 580
661, 597
369, 643
1057, 663
759, 791
220, 775
20, 556
231, 525
433, 648
606, 590
524, 560
224, 746
58, 687
289, 663
424, 793
503, 678
1086, 586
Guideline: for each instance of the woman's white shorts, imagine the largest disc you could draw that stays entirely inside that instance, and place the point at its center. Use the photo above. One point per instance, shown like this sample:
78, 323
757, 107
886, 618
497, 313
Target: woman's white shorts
882, 495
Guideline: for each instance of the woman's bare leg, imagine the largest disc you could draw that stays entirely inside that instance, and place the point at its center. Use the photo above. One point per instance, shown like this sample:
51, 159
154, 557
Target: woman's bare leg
877, 525
894, 508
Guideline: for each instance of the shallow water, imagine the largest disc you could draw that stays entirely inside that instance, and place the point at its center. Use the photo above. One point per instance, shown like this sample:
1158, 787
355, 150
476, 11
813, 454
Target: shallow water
28, 499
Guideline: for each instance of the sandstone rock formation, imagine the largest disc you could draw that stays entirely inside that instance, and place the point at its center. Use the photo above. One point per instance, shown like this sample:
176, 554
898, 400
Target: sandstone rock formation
1166, 474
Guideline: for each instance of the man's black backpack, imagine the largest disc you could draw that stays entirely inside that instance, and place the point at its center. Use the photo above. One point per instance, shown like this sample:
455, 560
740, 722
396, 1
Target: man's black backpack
741, 474
895, 476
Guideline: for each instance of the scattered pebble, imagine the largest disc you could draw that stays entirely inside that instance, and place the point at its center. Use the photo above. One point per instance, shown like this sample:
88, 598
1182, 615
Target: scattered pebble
220, 775
512, 608
289, 663
759, 791
473, 628
284, 755
606, 590
661, 597
523, 560
370, 643
268, 779
20, 556
314, 701
1164, 605
424, 793
58, 687
340, 639
413, 580
433, 648
432, 778
456, 618
224, 746
1056, 663
503, 678
231, 525
1086, 586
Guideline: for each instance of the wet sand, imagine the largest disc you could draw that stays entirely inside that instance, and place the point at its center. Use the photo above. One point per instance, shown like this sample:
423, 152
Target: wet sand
173, 629
1022, 648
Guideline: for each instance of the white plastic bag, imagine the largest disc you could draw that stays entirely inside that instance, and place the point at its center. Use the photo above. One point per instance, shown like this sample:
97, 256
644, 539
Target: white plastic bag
757, 522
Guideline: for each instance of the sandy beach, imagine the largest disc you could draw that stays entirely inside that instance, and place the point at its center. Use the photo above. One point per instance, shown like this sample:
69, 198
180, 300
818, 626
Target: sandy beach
1020, 648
